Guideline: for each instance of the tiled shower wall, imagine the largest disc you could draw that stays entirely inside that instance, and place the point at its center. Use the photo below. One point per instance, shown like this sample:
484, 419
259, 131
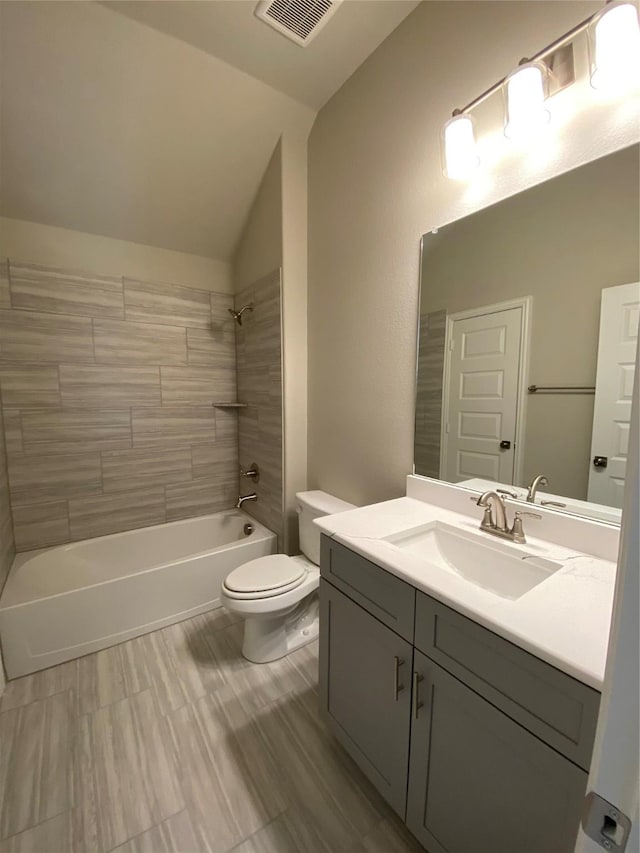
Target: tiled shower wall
107, 385
7, 545
259, 351
431, 345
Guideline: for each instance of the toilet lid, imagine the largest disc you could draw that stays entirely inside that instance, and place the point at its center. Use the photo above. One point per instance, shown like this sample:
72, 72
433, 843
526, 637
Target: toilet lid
266, 573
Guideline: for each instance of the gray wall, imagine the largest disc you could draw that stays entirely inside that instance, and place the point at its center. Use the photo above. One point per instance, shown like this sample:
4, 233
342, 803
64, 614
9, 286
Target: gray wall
376, 185
561, 243
259, 350
107, 385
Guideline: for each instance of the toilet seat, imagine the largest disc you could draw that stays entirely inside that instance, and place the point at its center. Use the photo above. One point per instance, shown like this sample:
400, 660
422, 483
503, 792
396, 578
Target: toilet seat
265, 577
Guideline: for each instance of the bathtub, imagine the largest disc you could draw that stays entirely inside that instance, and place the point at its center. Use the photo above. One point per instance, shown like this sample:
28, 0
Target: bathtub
64, 602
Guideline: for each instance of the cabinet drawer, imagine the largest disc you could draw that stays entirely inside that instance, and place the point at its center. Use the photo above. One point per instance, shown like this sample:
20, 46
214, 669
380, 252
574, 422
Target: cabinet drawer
385, 596
560, 710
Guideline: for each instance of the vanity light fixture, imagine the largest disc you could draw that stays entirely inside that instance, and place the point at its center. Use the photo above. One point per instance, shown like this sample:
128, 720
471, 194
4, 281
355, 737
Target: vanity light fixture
460, 150
614, 51
614, 48
525, 91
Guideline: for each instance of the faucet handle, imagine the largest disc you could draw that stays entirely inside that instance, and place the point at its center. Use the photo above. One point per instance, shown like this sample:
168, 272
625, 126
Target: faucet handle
520, 513
517, 532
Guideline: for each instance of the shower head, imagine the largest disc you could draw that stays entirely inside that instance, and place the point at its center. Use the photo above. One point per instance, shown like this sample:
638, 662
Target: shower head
237, 315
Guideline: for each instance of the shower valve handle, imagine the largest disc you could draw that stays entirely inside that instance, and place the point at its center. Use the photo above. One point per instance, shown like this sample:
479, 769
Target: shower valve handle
253, 473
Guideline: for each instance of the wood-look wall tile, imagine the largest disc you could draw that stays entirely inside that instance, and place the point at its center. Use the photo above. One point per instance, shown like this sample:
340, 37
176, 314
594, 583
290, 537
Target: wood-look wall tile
220, 304
199, 497
41, 524
34, 337
134, 773
28, 386
54, 477
216, 461
97, 385
127, 469
197, 385
166, 426
75, 430
154, 302
62, 291
215, 347
5, 296
98, 516
227, 424
138, 343
36, 773
12, 431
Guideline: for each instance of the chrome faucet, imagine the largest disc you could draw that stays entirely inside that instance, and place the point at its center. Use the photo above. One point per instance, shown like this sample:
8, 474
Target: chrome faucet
540, 480
253, 473
242, 499
498, 525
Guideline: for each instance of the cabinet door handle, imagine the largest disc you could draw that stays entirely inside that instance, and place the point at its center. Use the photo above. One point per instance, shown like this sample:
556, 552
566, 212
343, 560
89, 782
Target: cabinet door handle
397, 663
417, 704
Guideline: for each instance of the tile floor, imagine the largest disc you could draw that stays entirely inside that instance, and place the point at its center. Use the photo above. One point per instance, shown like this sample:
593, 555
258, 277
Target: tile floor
173, 743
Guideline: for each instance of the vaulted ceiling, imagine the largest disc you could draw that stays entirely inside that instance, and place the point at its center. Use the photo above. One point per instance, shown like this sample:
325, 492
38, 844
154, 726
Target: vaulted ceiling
153, 122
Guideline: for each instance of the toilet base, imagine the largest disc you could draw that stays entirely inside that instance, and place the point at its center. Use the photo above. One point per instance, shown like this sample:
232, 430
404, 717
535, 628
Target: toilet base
268, 639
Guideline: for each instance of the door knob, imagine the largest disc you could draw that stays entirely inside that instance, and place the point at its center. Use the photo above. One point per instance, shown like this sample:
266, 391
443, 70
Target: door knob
505, 445
600, 461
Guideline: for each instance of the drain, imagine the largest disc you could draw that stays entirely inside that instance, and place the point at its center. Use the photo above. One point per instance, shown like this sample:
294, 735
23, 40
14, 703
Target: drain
248, 529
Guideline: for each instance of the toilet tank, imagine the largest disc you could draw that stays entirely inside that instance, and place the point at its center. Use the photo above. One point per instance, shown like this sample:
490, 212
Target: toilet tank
312, 505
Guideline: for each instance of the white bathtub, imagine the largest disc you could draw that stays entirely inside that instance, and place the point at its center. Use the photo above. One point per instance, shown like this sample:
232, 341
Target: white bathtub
64, 602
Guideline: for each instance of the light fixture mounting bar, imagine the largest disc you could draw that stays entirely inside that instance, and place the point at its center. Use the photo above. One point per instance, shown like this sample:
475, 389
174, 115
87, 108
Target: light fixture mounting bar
540, 55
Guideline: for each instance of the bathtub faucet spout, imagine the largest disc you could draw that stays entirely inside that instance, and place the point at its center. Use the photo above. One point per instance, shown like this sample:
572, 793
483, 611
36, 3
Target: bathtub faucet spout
241, 499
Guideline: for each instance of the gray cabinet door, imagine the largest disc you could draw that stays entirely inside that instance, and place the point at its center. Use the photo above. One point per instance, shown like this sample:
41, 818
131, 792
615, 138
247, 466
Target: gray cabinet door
479, 782
366, 707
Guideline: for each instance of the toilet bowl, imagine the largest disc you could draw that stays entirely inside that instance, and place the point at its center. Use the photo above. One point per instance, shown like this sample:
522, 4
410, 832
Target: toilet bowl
277, 595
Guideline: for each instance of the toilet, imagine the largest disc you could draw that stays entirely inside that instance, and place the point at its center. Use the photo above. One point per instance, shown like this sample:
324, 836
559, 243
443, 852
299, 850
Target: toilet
277, 595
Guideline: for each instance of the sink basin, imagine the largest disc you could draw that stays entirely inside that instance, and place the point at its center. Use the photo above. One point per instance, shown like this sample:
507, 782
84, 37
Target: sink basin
509, 571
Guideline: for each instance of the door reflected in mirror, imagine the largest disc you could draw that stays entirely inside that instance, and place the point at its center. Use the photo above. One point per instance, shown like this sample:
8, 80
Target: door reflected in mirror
527, 341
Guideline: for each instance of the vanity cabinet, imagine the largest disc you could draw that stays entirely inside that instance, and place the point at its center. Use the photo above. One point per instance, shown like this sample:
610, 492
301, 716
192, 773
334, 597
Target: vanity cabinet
366, 688
476, 743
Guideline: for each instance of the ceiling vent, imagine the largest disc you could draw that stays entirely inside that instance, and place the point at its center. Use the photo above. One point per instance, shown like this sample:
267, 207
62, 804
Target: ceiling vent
298, 20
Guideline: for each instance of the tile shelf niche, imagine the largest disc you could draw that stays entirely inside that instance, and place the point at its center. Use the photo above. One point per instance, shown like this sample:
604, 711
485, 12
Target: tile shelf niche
229, 405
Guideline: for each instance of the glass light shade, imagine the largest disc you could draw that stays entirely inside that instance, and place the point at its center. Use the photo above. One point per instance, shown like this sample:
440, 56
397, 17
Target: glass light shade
460, 151
614, 48
525, 93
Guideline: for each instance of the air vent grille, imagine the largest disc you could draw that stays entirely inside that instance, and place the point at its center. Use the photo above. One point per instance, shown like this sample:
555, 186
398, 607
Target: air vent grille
299, 20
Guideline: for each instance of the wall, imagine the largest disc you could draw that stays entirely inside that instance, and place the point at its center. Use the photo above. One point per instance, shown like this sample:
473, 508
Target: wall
61, 247
376, 185
259, 352
554, 244
259, 250
7, 545
107, 384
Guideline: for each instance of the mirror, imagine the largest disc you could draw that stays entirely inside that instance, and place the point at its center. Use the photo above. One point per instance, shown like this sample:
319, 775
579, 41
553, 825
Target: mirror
527, 341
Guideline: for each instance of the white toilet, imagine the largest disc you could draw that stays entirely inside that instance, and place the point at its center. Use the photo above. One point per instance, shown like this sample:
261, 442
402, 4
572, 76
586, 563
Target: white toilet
277, 595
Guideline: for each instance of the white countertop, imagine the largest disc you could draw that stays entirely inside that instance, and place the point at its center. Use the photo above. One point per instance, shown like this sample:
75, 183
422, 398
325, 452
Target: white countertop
564, 620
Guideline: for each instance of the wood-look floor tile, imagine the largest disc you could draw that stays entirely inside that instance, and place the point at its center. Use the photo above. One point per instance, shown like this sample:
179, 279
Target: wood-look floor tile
256, 685
53, 836
133, 769
39, 685
225, 769
275, 837
109, 676
192, 659
36, 771
164, 680
338, 805
177, 834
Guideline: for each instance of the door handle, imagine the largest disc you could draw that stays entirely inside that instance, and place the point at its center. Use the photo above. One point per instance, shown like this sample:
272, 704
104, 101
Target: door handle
600, 461
417, 704
505, 445
397, 663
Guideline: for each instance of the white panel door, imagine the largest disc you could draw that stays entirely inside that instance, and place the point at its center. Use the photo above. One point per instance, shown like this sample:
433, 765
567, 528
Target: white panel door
617, 344
480, 409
